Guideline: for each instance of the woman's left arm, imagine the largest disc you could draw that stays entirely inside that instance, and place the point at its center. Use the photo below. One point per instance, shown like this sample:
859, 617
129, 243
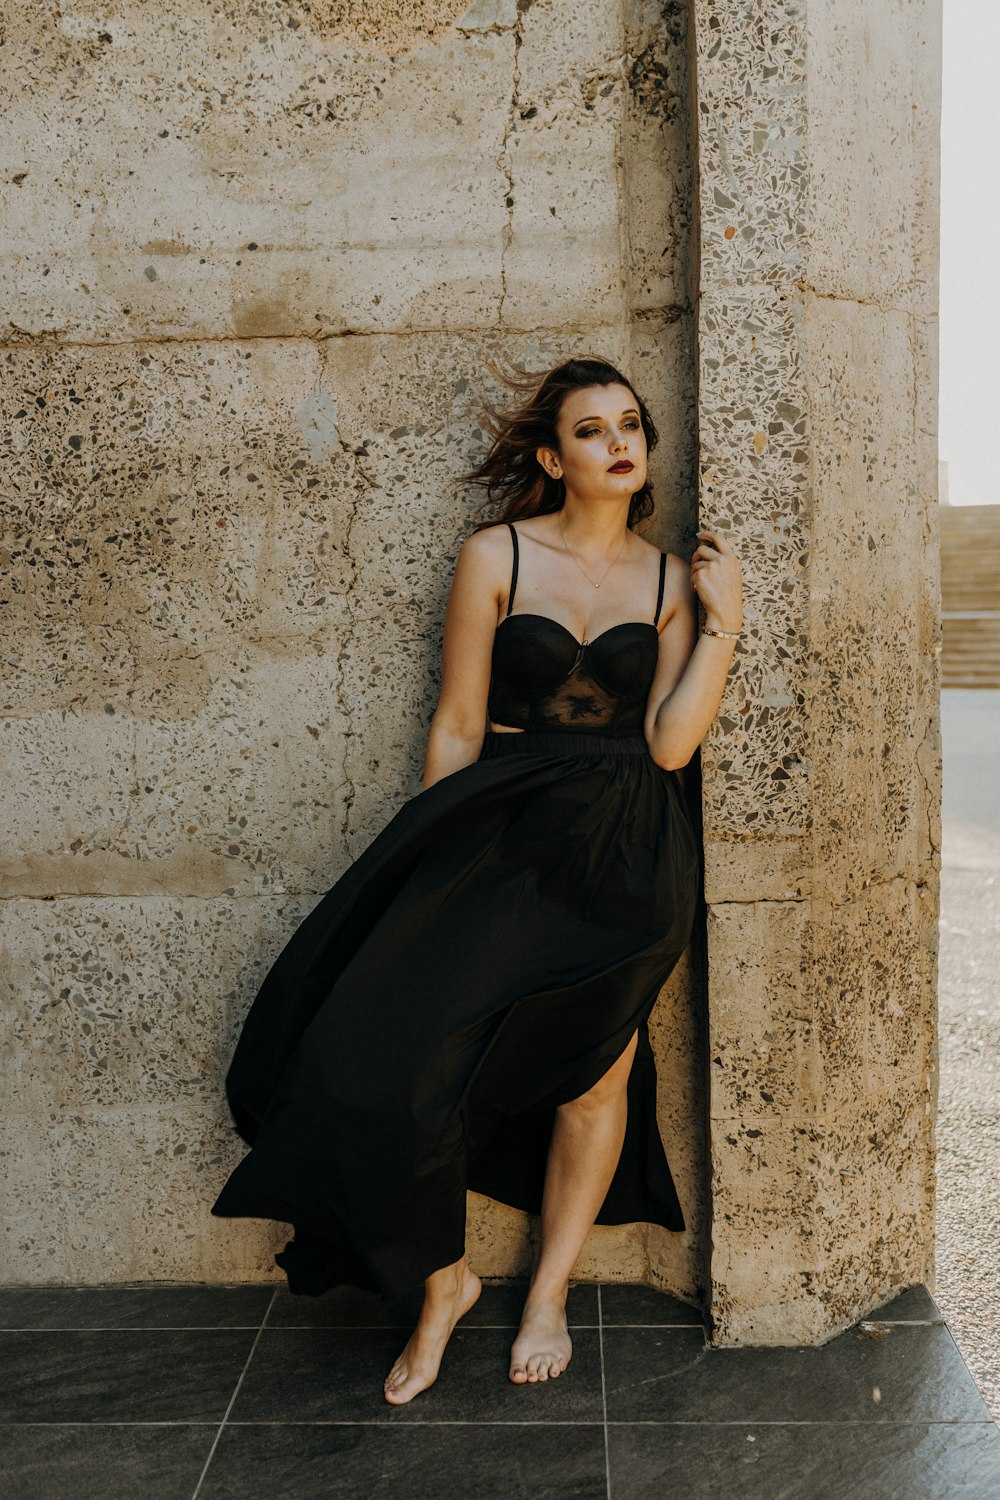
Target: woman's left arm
692, 669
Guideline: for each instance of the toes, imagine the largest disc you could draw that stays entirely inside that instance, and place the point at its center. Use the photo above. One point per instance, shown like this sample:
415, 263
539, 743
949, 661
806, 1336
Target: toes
398, 1395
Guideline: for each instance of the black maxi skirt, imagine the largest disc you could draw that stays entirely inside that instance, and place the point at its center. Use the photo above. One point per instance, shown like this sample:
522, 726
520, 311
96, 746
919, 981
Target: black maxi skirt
485, 959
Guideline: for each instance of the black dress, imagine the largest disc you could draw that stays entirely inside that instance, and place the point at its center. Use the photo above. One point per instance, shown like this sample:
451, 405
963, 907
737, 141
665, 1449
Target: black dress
485, 959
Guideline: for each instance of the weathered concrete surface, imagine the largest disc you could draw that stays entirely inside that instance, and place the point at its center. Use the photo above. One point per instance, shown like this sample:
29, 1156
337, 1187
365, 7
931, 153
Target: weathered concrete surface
255, 259
817, 158
255, 262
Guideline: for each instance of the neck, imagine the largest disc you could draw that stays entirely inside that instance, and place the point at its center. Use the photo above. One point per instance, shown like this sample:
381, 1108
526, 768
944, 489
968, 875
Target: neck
594, 528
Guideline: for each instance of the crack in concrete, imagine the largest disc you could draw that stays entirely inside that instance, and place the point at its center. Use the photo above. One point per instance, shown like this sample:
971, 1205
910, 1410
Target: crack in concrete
906, 312
818, 899
133, 786
760, 901
504, 161
363, 481
414, 330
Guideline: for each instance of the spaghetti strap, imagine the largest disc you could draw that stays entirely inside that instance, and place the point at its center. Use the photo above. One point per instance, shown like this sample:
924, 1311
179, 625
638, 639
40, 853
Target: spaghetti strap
659, 597
513, 571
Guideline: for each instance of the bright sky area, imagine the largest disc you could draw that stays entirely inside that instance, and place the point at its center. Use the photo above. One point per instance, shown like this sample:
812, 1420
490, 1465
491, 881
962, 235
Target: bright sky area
969, 413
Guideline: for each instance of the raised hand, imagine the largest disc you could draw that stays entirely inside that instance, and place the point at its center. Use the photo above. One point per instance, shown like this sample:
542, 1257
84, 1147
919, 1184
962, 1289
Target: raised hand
717, 580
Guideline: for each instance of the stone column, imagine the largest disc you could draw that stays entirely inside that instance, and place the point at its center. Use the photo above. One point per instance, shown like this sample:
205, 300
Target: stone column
818, 190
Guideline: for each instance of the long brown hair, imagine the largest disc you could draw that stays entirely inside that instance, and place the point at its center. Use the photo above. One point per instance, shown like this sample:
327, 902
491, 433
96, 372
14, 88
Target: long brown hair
510, 473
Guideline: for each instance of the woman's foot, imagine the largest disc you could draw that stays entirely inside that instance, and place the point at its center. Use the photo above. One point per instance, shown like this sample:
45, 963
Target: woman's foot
448, 1295
543, 1347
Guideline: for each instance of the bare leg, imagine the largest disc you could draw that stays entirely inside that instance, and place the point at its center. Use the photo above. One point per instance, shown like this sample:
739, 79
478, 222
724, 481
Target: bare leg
585, 1149
448, 1295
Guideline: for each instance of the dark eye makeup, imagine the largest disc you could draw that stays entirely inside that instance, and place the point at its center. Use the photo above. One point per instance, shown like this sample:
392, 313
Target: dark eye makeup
584, 432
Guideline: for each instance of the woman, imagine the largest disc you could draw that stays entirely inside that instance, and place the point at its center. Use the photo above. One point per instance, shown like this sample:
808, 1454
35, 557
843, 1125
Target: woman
468, 1006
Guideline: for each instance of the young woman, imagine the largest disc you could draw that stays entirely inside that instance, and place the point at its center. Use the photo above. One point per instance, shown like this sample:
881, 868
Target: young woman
468, 1006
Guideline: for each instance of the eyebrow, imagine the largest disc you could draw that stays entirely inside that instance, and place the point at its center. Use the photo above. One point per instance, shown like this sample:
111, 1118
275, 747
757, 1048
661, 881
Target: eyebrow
629, 411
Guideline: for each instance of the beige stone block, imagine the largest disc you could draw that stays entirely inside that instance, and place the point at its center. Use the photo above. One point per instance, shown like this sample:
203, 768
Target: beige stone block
661, 363
563, 219
613, 1252
763, 1282
242, 794
258, 779
757, 869
576, 76
869, 593
755, 486
676, 1034
74, 792
753, 143
389, 678
815, 1225
289, 184
764, 1051
568, 52
819, 152
171, 494
148, 1221
128, 1004
656, 155
33, 1230
500, 1240
872, 88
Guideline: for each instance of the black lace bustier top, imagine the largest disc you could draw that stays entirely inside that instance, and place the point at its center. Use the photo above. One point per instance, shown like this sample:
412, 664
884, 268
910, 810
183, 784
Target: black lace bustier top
544, 678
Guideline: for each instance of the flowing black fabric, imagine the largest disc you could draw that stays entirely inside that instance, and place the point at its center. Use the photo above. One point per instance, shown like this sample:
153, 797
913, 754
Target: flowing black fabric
485, 959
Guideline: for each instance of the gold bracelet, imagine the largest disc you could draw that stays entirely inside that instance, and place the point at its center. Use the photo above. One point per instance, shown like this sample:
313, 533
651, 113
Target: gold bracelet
730, 635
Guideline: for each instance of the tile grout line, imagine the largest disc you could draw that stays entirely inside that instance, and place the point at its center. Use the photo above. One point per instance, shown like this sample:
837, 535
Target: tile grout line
868, 1423
604, 1393
225, 1414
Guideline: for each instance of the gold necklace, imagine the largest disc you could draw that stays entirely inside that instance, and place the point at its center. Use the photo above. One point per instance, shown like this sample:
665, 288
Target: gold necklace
580, 564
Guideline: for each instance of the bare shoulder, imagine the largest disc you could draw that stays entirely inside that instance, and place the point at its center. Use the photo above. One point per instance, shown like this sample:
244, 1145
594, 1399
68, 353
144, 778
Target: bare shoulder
653, 551
487, 547
484, 559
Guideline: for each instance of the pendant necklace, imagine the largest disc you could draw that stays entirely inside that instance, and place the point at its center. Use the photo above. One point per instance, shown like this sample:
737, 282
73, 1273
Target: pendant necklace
580, 566
583, 570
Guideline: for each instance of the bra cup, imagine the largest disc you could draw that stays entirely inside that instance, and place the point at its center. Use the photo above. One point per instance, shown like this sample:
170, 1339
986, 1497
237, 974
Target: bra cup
623, 665
543, 677
536, 658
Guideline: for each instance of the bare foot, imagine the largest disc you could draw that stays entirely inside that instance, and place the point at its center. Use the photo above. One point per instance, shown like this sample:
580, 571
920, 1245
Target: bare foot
445, 1301
543, 1346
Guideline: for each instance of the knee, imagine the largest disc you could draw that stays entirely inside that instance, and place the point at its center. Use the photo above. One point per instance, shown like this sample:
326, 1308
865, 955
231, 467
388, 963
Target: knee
609, 1090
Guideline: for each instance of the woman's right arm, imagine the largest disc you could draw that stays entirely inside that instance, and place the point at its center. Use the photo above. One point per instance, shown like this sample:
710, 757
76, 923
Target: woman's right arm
459, 722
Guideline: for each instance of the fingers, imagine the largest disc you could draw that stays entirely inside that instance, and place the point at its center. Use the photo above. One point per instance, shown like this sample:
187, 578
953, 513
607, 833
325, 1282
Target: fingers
722, 549
719, 538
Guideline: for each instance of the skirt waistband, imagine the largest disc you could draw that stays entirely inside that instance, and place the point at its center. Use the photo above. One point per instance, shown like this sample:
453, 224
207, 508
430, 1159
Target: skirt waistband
560, 742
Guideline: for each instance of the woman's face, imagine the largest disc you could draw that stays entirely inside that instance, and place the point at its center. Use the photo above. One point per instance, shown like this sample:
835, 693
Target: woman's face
602, 447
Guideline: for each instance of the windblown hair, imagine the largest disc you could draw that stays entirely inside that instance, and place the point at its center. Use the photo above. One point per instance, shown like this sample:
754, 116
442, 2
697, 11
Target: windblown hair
510, 472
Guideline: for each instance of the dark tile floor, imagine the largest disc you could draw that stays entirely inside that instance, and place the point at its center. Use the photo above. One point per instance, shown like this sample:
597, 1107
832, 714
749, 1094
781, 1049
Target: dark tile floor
151, 1393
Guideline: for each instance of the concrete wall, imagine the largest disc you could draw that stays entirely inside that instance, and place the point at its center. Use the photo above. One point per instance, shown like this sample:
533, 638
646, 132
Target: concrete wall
818, 182
255, 262
256, 256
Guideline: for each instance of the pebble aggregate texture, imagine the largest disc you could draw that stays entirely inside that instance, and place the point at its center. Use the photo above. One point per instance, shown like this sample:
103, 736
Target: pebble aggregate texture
817, 188
256, 253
